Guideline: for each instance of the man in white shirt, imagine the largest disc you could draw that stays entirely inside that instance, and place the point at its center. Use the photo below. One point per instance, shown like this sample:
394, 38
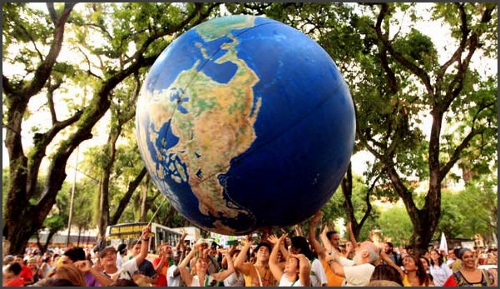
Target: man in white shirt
357, 272
130, 267
173, 273
451, 258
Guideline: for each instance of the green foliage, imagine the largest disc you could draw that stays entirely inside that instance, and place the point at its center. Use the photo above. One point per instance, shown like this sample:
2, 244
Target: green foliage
418, 48
470, 211
395, 224
54, 223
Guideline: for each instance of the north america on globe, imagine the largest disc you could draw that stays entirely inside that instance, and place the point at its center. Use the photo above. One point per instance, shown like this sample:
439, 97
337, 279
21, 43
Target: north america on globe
235, 125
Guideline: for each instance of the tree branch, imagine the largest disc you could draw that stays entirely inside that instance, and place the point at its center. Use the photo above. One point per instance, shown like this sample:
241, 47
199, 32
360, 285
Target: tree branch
420, 73
43, 71
40, 144
50, 99
455, 87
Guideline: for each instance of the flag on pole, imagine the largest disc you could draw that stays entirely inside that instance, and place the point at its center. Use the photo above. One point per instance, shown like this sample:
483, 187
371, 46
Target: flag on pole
443, 245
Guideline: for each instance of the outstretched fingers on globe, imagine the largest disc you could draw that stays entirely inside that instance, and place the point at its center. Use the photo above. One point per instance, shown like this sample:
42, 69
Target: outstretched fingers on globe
317, 217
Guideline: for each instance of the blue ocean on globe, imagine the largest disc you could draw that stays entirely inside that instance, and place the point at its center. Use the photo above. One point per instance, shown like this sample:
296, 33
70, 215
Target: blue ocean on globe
245, 123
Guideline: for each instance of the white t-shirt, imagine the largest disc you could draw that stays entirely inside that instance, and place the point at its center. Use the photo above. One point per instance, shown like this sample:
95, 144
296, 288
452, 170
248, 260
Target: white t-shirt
129, 266
285, 283
318, 276
450, 262
209, 280
440, 274
356, 275
173, 281
234, 280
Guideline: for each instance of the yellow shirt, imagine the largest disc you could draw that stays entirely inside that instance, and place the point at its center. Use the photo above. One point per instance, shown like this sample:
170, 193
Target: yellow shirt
332, 279
407, 283
253, 280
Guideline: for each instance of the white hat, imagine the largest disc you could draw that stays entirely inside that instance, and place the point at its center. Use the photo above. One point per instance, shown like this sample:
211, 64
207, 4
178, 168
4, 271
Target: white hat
201, 241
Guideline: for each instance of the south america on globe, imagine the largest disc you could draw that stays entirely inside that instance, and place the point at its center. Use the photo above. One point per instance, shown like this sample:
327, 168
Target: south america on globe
245, 123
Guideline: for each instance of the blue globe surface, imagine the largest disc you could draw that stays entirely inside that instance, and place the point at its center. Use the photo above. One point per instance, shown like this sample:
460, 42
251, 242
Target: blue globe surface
245, 123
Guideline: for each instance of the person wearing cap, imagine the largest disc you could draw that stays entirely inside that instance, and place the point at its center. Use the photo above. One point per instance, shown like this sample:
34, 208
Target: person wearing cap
258, 274
107, 262
202, 251
7, 260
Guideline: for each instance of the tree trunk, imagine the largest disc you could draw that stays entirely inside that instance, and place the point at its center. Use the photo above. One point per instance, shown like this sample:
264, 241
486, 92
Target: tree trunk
128, 195
346, 186
79, 235
22, 218
103, 219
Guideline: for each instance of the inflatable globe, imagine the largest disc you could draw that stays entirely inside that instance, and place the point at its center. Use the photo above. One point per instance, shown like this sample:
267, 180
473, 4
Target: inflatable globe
245, 123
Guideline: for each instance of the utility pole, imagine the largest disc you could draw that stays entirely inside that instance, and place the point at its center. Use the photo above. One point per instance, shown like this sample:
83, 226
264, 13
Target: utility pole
70, 217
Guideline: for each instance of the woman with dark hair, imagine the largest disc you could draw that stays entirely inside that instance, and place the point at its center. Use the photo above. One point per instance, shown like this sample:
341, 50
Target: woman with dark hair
296, 272
236, 279
301, 246
385, 275
469, 275
438, 269
427, 264
414, 272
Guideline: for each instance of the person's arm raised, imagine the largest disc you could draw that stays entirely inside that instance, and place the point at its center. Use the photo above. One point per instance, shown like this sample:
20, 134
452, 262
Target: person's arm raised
221, 276
351, 235
144, 246
389, 262
324, 239
304, 270
320, 250
185, 275
239, 263
180, 244
273, 258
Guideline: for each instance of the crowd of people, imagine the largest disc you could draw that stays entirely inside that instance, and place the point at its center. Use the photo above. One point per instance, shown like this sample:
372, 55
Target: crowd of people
311, 260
